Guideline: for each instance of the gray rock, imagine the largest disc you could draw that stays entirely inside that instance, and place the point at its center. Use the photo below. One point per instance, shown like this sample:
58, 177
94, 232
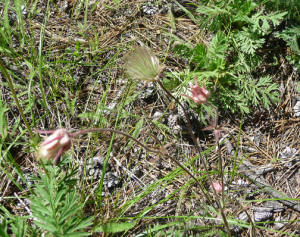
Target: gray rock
157, 115
288, 153
289, 156
160, 137
276, 206
109, 108
148, 92
94, 173
28, 176
296, 109
280, 222
243, 216
110, 180
96, 161
262, 214
150, 9
173, 123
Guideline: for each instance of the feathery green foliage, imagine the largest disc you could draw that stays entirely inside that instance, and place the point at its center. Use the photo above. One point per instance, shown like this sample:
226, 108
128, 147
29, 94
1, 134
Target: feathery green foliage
291, 36
13, 223
56, 206
227, 65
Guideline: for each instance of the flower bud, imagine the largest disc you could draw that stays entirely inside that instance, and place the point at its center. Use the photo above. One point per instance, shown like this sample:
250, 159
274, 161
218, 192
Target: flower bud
217, 186
54, 145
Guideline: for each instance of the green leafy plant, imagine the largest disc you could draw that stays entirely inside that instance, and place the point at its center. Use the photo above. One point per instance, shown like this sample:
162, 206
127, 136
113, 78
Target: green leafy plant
56, 206
291, 36
228, 63
11, 223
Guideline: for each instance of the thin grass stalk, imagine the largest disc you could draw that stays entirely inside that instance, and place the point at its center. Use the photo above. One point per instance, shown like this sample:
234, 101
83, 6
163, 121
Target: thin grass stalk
14, 94
41, 41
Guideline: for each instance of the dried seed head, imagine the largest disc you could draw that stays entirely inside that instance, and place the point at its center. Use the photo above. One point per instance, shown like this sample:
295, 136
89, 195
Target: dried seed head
142, 64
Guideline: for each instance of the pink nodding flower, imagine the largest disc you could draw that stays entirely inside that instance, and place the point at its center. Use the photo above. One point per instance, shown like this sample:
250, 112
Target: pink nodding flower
55, 145
199, 94
217, 186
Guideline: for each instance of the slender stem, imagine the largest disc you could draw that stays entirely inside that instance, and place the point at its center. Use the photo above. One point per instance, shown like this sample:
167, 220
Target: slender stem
101, 130
201, 158
12, 89
81, 132
221, 169
222, 193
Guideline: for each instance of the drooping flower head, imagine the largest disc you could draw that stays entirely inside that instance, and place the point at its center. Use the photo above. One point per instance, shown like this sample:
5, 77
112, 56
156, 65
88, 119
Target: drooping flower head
199, 94
55, 145
142, 64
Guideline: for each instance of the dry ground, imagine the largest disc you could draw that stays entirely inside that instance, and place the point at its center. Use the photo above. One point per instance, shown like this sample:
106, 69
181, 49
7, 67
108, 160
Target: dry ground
266, 146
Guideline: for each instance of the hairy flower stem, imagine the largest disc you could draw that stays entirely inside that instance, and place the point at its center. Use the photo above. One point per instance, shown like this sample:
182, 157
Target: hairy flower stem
220, 206
221, 169
222, 193
159, 152
14, 94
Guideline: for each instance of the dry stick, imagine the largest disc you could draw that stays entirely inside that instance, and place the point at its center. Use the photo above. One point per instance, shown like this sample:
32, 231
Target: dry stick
201, 157
12, 89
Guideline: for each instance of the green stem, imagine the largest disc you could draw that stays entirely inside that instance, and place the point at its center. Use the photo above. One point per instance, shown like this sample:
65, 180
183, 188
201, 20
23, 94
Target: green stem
12, 89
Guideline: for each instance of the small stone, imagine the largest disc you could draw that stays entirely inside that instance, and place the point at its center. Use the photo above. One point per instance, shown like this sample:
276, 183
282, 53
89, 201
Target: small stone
97, 174
157, 115
276, 206
150, 9
109, 108
296, 109
24, 10
160, 137
240, 182
243, 216
148, 92
91, 172
288, 153
63, 6
279, 222
262, 214
111, 180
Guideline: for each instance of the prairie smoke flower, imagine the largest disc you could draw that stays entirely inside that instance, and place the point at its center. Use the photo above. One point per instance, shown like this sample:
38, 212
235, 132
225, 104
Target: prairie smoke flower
199, 94
54, 145
142, 64
217, 186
